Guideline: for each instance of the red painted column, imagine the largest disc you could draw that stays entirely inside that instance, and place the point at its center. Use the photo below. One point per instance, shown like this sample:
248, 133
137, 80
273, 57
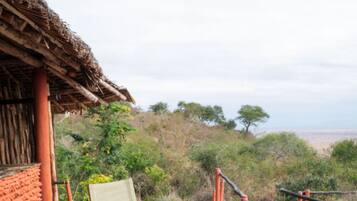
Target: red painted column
307, 193
42, 131
69, 191
222, 190
300, 193
218, 184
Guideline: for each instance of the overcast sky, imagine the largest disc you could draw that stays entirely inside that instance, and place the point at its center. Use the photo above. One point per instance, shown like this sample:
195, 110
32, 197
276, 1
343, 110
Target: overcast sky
295, 58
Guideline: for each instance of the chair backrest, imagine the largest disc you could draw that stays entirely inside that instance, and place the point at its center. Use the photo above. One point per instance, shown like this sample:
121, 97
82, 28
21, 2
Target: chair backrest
115, 191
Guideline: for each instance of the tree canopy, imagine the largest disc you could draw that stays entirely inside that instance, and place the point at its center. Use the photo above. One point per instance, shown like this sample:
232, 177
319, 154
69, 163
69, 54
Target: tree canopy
207, 114
159, 108
251, 115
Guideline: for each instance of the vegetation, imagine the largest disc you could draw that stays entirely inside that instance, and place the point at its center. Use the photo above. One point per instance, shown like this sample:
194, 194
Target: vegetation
210, 115
250, 115
159, 108
172, 156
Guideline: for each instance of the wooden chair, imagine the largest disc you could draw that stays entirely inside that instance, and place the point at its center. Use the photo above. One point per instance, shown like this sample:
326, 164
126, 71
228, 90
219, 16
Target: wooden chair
114, 191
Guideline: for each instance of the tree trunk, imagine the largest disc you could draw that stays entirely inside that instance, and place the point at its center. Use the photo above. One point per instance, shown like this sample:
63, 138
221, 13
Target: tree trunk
247, 128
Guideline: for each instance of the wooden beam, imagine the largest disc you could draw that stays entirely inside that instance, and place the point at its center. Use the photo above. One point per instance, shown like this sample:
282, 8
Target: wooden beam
102, 82
29, 59
77, 101
30, 22
85, 92
16, 101
112, 89
23, 26
20, 39
20, 54
6, 62
10, 75
58, 105
68, 61
55, 66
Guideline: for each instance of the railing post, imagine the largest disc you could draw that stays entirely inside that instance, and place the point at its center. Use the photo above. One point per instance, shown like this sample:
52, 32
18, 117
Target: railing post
214, 195
299, 193
69, 191
218, 184
307, 193
244, 198
222, 190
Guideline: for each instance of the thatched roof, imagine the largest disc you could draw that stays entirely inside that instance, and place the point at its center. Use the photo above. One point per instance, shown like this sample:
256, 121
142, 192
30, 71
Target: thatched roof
33, 36
49, 21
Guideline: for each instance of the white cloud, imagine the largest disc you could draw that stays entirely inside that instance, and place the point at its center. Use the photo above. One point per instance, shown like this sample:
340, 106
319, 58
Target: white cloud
295, 58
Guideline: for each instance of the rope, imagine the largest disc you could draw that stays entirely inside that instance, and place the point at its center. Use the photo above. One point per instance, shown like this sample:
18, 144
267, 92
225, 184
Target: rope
333, 192
232, 185
285, 191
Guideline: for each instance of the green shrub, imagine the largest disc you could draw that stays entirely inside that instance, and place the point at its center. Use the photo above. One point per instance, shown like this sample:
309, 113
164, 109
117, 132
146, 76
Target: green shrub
159, 108
345, 151
207, 156
120, 172
156, 173
143, 185
94, 179
187, 181
139, 155
280, 146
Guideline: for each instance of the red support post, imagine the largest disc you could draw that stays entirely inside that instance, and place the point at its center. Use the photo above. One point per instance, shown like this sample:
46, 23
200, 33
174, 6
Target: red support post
222, 190
244, 198
214, 195
218, 184
69, 191
307, 193
299, 193
42, 131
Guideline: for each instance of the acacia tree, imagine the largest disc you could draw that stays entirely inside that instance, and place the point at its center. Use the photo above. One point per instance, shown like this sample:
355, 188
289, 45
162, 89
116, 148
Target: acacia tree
206, 114
159, 108
251, 115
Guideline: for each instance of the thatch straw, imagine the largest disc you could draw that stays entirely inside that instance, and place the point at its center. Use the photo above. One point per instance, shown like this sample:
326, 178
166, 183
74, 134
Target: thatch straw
39, 12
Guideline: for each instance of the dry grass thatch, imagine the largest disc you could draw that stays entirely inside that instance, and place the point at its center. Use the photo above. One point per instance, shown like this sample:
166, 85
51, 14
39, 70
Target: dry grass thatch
39, 12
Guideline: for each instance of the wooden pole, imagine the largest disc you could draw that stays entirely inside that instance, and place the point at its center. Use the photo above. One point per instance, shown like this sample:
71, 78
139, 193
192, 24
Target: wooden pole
112, 89
307, 193
222, 190
69, 191
218, 184
22, 55
85, 92
42, 132
53, 158
55, 69
299, 193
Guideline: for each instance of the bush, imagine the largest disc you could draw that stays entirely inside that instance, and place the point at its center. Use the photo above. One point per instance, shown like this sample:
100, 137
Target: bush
94, 179
156, 174
139, 155
203, 195
143, 185
345, 151
207, 156
120, 172
159, 108
280, 147
188, 180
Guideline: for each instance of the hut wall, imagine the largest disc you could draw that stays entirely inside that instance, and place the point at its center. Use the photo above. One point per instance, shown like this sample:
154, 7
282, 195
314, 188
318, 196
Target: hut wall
20, 183
17, 143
